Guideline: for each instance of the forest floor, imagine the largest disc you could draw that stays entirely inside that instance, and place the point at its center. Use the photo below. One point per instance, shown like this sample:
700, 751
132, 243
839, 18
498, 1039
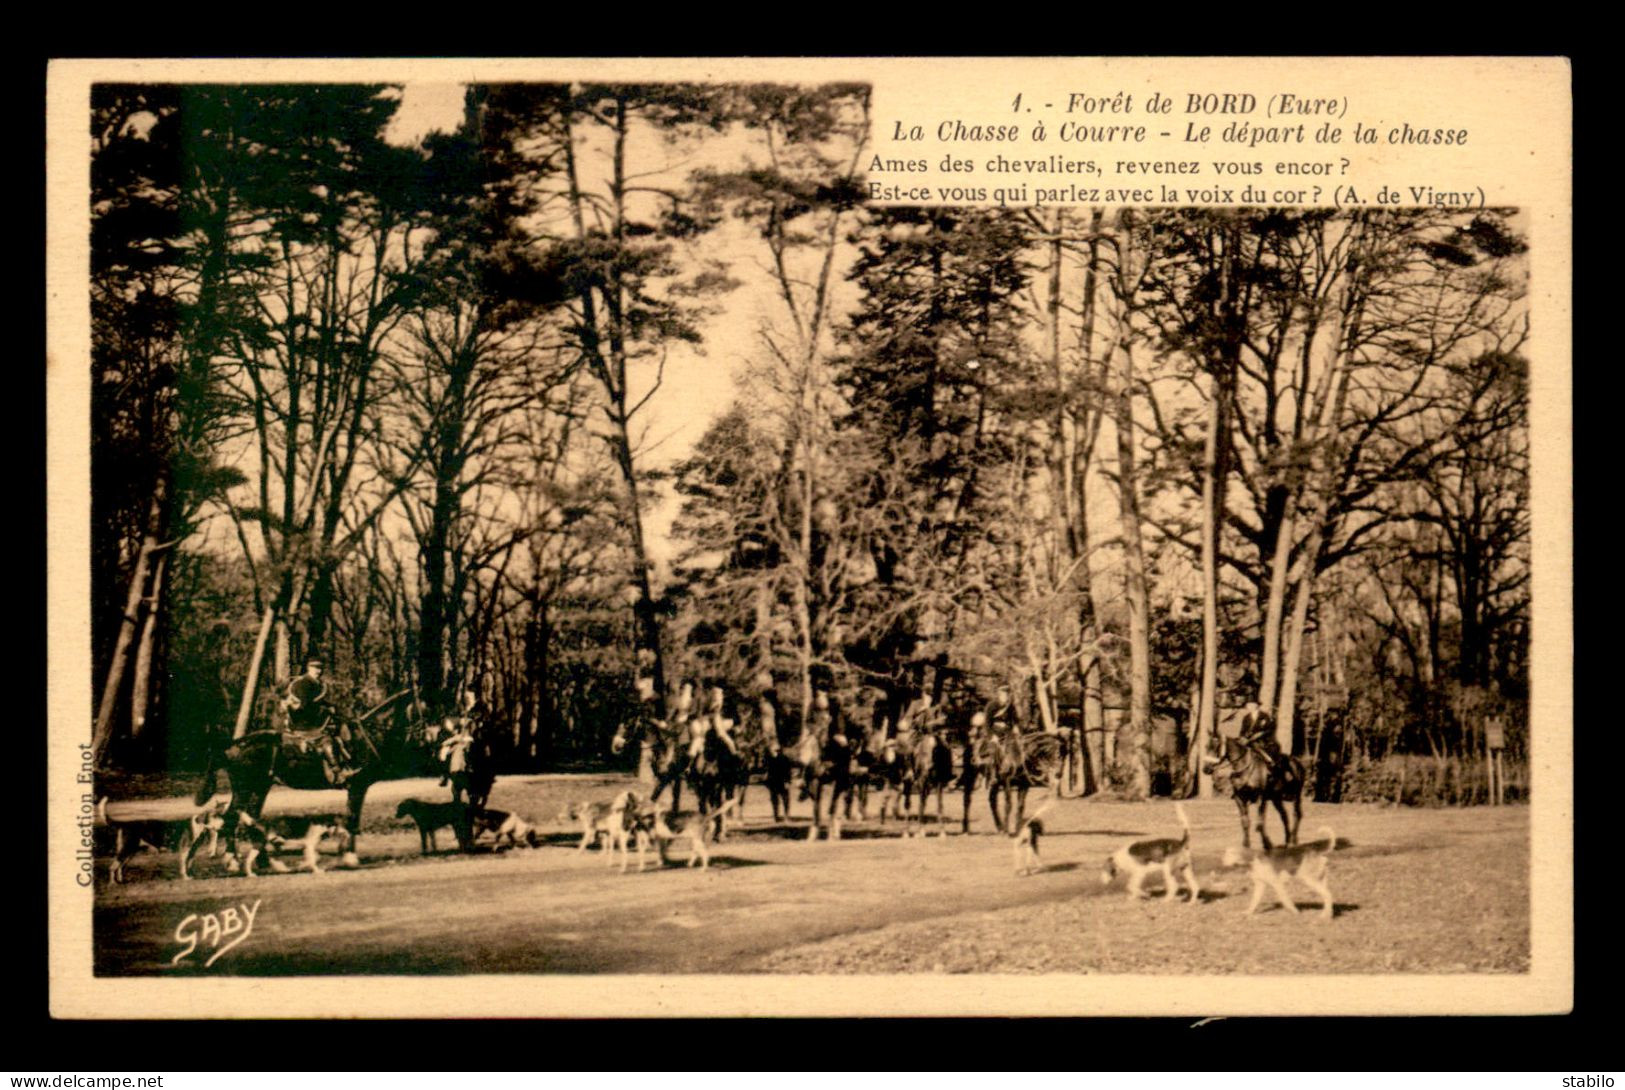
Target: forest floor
1416, 891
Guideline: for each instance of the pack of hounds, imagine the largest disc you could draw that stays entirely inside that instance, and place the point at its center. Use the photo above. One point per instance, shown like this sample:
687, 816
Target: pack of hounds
1269, 867
627, 821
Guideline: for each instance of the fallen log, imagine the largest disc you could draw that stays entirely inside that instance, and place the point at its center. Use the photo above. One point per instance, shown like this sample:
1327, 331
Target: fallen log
283, 801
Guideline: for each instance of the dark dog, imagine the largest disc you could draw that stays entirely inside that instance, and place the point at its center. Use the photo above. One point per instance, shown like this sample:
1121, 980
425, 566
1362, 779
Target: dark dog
430, 816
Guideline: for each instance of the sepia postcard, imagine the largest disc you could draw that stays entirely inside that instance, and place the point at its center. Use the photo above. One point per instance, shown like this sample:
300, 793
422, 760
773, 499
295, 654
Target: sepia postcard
809, 537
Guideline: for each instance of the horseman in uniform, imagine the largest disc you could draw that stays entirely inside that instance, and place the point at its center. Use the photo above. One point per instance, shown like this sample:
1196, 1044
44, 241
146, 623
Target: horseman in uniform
715, 719
683, 716
826, 720
775, 726
1002, 714
306, 706
1258, 732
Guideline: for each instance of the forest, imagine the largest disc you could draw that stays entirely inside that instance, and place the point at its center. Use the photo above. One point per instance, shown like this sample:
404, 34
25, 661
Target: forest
403, 404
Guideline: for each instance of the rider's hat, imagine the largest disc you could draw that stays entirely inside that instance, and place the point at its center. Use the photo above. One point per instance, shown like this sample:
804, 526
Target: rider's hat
314, 660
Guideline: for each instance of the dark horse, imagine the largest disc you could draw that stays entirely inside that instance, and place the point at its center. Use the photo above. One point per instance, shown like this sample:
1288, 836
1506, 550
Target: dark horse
784, 759
716, 772
1013, 763
1252, 774
928, 769
260, 759
826, 764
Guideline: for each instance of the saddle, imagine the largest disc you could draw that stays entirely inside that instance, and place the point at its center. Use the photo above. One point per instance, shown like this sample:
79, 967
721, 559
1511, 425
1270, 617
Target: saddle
316, 754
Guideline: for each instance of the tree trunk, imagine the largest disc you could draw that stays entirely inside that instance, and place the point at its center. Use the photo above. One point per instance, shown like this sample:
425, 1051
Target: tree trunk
1275, 608
1286, 711
1201, 786
140, 689
1135, 593
245, 710
113, 684
1212, 501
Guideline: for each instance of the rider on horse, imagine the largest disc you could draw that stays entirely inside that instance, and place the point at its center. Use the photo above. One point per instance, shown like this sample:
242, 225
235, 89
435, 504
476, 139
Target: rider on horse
1258, 732
305, 703
1002, 714
776, 729
715, 720
459, 738
826, 721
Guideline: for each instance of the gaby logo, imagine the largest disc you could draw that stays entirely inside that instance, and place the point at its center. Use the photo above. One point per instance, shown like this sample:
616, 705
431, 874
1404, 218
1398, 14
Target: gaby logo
215, 931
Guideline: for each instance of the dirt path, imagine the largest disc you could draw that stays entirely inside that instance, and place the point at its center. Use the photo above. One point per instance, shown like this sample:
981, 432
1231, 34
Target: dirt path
871, 903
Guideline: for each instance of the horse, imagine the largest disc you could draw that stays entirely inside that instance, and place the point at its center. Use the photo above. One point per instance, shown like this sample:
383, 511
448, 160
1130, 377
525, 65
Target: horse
1251, 774
826, 765
1014, 762
716, 772
667, 755
972, 767
260, 759
928, 768
881, 764
785, 760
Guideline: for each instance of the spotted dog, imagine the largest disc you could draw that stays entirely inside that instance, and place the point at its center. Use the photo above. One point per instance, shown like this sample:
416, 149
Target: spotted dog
1271, 867
1166, 854
1025, 842
503, 825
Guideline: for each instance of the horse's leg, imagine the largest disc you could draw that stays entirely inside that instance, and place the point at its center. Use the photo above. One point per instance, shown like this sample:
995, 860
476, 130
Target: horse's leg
816, 793
1246, 821
1297, 809
964, 817
357, 793
778, 786
1021, 808
1287, 824
997, 795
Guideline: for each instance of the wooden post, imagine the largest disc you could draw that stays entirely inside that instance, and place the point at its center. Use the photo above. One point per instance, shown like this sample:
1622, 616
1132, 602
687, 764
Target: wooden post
1494, 742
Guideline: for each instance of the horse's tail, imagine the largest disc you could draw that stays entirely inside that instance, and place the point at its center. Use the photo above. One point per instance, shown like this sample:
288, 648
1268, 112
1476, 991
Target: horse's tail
205, 790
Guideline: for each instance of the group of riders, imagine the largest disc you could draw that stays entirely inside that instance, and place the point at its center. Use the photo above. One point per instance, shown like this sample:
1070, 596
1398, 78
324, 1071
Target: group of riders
698, 714
700, 719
